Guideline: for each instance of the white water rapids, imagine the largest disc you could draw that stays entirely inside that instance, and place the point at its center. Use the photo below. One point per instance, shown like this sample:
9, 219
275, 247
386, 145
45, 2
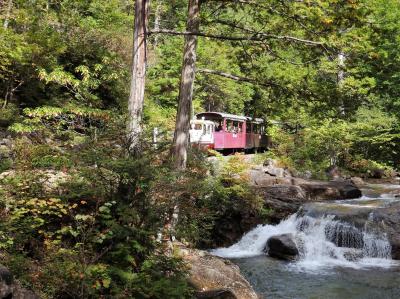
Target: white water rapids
322, 242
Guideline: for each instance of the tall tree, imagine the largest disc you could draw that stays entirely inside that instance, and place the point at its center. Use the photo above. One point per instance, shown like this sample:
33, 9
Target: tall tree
136, 96
181, 136
8, 14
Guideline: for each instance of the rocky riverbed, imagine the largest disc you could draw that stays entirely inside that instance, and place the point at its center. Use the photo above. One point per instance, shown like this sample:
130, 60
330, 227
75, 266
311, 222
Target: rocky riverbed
348, 246
283, 195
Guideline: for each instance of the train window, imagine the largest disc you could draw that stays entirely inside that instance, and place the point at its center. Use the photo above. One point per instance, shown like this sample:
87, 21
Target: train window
255, 129
218, 125
204, 129
235, 127
248, 127
240, 128
197, 127
229, 126
208, 129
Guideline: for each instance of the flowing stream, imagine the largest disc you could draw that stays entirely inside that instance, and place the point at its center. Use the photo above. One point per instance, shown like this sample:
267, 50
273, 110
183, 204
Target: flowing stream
336, 259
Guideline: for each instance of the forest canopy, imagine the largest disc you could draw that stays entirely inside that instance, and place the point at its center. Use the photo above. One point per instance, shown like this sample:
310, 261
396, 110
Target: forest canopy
324, 74
298, 62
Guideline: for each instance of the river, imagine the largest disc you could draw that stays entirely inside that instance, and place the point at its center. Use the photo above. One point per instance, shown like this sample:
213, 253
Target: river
336, 259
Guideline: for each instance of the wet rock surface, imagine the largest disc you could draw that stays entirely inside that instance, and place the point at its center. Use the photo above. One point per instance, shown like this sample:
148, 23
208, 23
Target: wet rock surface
214, 277
389, 219
230, 228
282, 247
283, 196
285, 200
383, 219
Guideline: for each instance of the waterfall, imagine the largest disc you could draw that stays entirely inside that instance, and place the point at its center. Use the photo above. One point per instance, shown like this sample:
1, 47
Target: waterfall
321, 241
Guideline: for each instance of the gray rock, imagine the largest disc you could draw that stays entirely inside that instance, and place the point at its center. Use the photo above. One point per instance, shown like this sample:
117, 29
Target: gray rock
9, 288
353, 255
333, 172
271, 168
269, 162
385, 220
377, 173
306, 175
389, 219
284, 199
216, 294
357, 181
274, 171
5, 275
214, 277
333, 190
282, 247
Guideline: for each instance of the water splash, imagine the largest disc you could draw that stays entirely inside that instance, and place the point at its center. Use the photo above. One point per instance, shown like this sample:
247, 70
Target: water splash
322, 242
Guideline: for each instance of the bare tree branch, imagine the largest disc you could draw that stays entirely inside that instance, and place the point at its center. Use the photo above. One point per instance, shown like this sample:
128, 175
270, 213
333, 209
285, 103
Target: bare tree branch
290, 91
238, 78
268, 35
257, 37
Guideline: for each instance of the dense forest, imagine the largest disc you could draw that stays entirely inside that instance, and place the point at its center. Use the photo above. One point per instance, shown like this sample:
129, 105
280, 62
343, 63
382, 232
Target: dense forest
82, 210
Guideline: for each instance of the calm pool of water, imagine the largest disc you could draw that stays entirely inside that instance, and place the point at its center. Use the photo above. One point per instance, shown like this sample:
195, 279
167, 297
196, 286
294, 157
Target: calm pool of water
278, 279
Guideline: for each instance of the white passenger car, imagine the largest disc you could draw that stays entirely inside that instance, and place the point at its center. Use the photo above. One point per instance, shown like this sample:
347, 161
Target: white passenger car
201, 132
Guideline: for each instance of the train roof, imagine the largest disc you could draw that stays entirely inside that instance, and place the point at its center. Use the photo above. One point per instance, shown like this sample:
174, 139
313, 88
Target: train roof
255, 120
222, 115
200, 121
230, 116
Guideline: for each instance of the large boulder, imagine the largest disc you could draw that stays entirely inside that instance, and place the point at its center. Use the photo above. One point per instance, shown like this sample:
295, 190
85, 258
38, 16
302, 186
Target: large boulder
357, 181
285, 200
230, 227
376, 216
283, 195
10, 288
333, 190
215, 294
282, 200
389, 219
282, 247
214, 277
271, 168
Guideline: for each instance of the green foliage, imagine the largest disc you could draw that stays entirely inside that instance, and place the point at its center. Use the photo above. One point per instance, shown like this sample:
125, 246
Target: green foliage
87, 231
234, 191
5, 164
8, 115
79, 218
367, 142
55, 119
207, 200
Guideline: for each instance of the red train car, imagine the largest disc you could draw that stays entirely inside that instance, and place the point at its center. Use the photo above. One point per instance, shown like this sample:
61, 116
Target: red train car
228, 132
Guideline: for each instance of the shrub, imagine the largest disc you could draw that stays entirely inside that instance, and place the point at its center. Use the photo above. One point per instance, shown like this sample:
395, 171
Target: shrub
94, 235
8, 114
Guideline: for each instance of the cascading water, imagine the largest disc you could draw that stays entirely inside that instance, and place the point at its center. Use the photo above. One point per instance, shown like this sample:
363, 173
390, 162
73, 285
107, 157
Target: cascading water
343, 251
321, 241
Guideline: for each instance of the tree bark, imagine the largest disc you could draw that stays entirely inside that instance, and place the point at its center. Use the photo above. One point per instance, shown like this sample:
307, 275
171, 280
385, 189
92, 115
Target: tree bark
181, 136
340, 79
157, 22
254, 36
136, 96
8, 14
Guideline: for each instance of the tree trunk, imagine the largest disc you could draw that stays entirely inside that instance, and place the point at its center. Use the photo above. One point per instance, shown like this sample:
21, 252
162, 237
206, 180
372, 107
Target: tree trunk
341, 65
157, 22
136, 96
340, 79
181, 136
8, 14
